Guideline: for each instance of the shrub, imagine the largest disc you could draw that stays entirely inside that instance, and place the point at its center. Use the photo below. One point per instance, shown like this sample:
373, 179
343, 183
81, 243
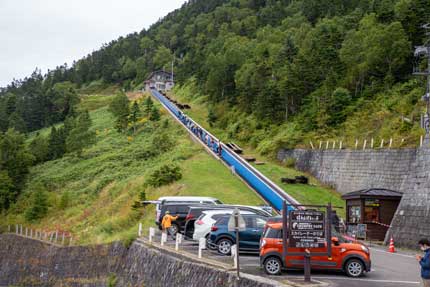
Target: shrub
164, 175
290, 162
39, 206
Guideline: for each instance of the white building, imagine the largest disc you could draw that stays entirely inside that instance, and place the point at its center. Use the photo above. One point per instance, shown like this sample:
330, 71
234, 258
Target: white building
160, 80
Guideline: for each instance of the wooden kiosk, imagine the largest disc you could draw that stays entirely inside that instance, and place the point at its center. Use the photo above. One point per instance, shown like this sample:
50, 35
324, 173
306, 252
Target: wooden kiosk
374, 207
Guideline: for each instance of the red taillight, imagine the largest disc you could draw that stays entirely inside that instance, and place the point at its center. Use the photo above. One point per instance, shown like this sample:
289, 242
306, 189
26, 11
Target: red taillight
199, 222
189, 216
214, 228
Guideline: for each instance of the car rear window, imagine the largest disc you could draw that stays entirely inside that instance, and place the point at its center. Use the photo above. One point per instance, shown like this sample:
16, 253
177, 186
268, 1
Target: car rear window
217, 216
222, 220
273, 233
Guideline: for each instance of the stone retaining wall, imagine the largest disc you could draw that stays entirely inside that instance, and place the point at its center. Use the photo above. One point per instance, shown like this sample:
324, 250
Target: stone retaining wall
29, 262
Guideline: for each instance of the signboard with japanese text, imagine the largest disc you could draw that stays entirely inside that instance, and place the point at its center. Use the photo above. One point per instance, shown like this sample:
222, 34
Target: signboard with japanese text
307, 229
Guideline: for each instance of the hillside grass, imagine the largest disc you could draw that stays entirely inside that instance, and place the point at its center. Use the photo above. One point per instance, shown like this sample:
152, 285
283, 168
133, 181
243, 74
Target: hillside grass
313, 193
92, 196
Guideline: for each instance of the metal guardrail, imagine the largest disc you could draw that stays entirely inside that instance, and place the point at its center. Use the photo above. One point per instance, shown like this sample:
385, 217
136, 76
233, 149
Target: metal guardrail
266, 188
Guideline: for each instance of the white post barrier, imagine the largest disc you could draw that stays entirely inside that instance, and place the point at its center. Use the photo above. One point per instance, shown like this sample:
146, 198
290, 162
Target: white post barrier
178, 241
26, 232
151, 234
139, 232
163, 238
202, 245
364, 144
312, 145
233, 254
371, 144
31, 233
421, 141
326, 146
382, 143
401, 143
16, 229
320, 144
356, 143
391, 142
340, 145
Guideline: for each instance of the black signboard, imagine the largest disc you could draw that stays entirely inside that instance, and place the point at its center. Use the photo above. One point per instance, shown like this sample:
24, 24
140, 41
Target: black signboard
307, 229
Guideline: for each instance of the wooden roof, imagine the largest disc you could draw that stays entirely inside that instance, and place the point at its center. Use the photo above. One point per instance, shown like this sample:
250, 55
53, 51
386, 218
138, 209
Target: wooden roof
373, 193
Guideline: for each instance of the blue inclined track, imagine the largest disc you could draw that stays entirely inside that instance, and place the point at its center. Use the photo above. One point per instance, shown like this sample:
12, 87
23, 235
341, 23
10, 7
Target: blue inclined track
267, 189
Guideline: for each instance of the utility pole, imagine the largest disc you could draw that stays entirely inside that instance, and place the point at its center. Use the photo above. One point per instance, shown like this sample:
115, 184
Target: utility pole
424, 51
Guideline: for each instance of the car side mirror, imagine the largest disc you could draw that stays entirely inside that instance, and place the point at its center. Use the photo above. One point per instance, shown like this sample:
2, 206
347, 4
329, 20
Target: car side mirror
335, 240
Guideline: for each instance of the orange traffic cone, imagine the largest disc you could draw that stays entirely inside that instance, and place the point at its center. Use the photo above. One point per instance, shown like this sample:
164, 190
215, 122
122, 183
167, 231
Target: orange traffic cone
391, 247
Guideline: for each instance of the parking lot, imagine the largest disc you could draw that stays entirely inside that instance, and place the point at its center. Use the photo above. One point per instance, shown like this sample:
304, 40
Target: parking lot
388, 269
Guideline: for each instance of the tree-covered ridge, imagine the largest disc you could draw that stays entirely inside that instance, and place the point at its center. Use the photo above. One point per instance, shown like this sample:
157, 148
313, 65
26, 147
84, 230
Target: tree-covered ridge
311, 63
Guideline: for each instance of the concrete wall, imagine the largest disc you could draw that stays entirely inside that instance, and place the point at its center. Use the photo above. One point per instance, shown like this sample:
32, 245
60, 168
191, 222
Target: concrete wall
405, 170
351, 170
28, 262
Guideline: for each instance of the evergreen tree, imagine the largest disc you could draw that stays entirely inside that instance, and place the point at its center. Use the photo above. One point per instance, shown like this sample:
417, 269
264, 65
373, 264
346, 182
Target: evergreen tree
155, 114
39, 148
80, 136
39, 205
15, 160
148, 104
119, 107
17, 122
7, 191
56, 143
135, 115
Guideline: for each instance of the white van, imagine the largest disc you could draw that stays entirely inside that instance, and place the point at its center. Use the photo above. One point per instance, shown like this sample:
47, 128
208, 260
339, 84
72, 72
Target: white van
180, 199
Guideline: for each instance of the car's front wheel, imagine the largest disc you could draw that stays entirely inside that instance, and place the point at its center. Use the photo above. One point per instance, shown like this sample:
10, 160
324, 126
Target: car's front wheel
273, 266
354, 268
224, 246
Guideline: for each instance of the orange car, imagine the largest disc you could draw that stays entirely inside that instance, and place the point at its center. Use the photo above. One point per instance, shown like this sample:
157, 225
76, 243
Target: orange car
352, 258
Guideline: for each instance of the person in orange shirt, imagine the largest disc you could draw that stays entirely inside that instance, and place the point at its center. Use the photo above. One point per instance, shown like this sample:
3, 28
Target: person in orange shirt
166, 224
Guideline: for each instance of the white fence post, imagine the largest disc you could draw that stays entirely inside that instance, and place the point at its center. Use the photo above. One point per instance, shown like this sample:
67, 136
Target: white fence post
364, 144
139, 232
163, 238
382, 143
202, 245
371, 143
178, 241
326, 146
401, 143
62, 239
21, 230
233, 254
340, 145
334, 144
31, 233
356, 143
421, 141
391, 142
312, 146
151, 234
26, 232
16, 229
320, 144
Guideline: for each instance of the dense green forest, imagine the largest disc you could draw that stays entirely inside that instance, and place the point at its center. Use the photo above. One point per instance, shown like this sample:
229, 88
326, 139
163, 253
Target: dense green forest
273, 73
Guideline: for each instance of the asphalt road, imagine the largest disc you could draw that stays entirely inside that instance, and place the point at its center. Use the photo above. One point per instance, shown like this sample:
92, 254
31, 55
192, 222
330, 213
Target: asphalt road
388, 269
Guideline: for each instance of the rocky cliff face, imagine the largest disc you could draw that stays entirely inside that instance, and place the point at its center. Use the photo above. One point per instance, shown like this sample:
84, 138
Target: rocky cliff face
28, 262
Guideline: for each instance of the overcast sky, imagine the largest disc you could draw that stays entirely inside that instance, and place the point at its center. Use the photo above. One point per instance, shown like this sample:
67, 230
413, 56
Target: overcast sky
48, 33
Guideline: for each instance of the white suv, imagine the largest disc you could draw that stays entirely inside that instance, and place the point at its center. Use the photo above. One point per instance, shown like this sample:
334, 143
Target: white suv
203, 224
